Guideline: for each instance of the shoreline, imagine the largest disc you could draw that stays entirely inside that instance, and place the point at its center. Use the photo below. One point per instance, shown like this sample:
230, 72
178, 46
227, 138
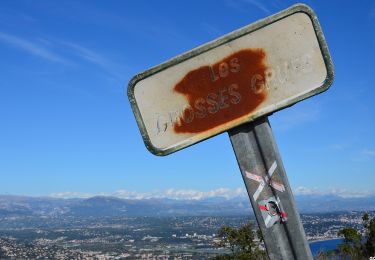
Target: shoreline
323, 239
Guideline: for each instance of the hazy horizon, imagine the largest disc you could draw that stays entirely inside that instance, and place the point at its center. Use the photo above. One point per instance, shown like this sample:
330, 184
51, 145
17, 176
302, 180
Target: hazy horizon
185, 194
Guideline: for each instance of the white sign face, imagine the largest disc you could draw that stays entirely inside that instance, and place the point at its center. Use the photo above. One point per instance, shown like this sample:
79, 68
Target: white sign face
246, 74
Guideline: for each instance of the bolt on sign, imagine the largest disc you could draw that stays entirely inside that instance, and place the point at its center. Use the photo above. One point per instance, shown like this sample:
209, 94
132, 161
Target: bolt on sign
249, 73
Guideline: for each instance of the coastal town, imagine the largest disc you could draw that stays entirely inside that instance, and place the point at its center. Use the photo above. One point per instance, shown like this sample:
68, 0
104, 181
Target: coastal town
141, 237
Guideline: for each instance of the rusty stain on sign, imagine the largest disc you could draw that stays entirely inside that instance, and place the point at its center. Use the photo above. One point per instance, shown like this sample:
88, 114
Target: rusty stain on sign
249, 73
219, 93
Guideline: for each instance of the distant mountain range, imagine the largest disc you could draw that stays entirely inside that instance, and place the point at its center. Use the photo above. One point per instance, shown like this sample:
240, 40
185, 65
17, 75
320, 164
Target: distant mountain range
102, 206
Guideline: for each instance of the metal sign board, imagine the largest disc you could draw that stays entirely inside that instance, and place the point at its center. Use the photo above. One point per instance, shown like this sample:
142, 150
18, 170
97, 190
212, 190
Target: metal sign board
251, 72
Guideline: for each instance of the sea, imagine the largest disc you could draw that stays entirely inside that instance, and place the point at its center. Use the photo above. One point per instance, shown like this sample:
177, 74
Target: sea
325, 245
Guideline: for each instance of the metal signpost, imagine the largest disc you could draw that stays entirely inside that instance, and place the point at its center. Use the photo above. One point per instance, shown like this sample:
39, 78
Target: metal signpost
232, 84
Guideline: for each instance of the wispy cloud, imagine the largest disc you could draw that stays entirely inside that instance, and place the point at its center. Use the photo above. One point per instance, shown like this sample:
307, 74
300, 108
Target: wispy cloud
364, 155
345, 193
243, 5
87, 54
64, 52
95, 58
71, 195
340, 192
277, 3
211, 29
339, 147
369, 152
32, 48
189, 194
293, 117
259, 4
301, 190
167, 194
196, 195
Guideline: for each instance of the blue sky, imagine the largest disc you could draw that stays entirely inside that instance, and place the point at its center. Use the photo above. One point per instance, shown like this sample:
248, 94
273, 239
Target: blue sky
67, 127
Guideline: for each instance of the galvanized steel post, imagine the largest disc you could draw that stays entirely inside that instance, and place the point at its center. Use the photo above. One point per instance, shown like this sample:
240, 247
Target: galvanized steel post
269, 191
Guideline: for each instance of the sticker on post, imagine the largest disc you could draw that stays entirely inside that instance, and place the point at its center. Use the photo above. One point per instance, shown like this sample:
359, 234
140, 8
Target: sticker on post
272, 211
